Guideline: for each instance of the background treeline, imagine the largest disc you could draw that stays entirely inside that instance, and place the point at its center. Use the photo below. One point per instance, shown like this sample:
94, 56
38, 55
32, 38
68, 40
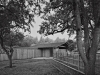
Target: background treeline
30, 41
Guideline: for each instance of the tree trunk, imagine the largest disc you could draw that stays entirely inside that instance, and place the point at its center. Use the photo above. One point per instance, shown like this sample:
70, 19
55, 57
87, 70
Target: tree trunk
10, 56
88, 57
79, 32
89, 68
10, 62
90, 65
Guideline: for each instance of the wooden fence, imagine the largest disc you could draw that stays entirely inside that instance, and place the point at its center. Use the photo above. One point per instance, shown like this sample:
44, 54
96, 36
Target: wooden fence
19, 53
75, 61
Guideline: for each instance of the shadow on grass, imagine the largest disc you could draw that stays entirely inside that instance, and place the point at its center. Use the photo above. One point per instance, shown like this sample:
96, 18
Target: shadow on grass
9, 66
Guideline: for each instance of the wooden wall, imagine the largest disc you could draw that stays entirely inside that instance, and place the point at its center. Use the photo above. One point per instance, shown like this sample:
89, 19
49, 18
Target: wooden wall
46, 53
20, 53
37, 53
42, 52
26, 53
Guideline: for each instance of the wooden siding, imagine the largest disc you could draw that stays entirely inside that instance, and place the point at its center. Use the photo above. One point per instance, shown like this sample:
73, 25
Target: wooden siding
46, 53
19, 53
37, 53
28, 52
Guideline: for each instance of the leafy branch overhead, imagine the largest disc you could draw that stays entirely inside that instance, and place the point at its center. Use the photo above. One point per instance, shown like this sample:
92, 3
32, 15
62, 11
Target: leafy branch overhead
59, 15
15, 16
81, 17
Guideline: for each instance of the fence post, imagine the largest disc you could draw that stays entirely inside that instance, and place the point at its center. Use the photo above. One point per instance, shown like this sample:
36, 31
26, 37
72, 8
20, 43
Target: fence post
73, 58
79, 62
27, 54
63, 57
56, 55
67, 57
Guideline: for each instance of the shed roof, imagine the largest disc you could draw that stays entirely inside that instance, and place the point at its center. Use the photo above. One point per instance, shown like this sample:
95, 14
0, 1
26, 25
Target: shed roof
49, 45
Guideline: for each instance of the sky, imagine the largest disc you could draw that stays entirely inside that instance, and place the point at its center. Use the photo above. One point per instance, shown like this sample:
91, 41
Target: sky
34, 30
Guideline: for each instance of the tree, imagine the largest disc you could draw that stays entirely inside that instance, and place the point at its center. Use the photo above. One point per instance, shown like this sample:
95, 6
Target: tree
10, 40
28, 41
42, 40
76, 16
71, 45
48, 40
35, 40
15, 15
13, 39
58, 40
45, 40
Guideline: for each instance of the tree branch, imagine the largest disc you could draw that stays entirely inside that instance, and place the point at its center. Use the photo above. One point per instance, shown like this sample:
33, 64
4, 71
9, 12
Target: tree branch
2, 45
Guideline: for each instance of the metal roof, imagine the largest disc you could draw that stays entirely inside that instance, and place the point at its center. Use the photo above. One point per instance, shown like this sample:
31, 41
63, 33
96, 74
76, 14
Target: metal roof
49, 45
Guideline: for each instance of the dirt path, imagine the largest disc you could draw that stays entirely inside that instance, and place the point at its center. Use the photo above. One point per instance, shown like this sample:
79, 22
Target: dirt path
30, 67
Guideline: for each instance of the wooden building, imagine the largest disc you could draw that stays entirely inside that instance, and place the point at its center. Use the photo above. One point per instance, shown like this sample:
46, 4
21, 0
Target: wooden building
39, 50
49, 49
19, 53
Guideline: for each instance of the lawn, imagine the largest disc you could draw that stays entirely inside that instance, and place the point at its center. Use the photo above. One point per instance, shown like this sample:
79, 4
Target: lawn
28, 67
76, 62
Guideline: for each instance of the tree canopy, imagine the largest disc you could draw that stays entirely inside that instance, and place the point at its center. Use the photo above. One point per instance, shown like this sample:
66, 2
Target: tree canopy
13, 39
15, 16
71, 45
81, 17
28, 41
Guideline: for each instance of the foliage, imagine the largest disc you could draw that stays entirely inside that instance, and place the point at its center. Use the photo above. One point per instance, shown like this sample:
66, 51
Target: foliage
60, 20
41, 41
71, 45
28, 41
45, 40
13, 39
15, 15
59, 40
81, 17
48, 40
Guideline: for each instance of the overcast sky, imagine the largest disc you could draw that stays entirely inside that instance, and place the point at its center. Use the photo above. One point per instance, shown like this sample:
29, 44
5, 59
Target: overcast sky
34, 30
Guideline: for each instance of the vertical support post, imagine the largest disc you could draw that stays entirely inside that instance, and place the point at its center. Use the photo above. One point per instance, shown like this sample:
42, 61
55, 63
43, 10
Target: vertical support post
63, 57
67, 57
27, 53
53, 55
73, 58
79, 62
56, 55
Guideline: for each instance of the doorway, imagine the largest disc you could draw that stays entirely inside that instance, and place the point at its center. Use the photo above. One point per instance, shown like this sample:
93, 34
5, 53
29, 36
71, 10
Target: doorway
51, 52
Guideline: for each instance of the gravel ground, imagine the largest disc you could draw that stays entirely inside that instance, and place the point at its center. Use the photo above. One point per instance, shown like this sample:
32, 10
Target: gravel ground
29, 67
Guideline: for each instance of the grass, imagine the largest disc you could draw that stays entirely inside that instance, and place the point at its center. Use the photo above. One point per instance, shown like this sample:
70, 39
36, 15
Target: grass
73, 61
67, 69
29, 67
